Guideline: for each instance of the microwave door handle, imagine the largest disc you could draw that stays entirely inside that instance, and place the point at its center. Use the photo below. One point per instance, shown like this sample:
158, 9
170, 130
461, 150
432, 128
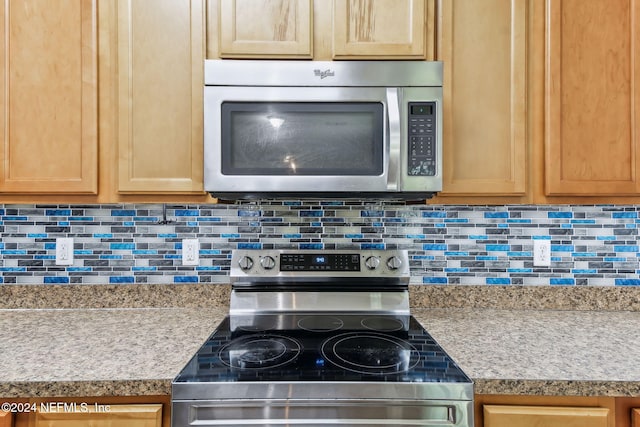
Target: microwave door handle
393, 109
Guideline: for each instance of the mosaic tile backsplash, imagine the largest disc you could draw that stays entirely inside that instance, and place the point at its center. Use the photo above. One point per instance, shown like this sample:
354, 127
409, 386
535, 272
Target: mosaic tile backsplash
474, 245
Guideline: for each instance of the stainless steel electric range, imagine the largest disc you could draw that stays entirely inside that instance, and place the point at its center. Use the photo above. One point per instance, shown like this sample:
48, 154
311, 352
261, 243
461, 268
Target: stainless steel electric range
316, 338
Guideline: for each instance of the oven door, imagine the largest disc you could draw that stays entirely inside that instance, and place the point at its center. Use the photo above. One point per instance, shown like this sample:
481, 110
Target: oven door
303, 140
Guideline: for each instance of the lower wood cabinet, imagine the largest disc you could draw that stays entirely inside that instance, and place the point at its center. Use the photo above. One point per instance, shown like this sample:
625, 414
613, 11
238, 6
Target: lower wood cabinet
99, 415
6, 419
547, 416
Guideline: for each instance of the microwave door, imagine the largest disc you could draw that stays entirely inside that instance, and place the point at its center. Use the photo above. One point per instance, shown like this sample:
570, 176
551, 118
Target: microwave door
300, 140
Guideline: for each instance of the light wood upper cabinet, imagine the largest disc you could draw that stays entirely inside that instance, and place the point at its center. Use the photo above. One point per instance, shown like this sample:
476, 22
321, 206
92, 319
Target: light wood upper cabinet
282, 28
379, 29
592, 97
143, 415
48, 97
484, 46
635, 418
535, 416
160, 81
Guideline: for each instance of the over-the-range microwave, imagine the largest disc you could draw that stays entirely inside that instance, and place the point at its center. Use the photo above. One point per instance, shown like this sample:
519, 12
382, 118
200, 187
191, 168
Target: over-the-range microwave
322, 129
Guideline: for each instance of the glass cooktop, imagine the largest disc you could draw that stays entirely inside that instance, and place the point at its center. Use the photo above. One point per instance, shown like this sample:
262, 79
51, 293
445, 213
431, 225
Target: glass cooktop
321, 347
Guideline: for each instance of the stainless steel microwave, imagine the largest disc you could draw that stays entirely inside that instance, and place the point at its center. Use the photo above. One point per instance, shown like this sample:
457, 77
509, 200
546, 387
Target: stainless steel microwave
319, 129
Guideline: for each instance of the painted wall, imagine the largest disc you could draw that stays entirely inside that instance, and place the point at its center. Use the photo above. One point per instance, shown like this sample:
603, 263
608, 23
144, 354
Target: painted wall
476, 245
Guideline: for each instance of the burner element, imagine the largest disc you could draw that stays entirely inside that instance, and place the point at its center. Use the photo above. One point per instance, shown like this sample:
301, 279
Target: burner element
320, 323
370, 353
382, 324
259, 352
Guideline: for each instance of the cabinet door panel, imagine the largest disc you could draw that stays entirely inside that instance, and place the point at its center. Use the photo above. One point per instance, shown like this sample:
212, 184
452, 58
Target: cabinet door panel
160, 69
635, 418
483, 46
537, 416
592, 97
380, 28
266, 28
6, 419
48, 97
117, 416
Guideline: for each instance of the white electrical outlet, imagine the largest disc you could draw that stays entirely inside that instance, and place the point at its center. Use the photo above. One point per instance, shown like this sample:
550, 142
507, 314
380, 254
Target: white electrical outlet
190, 252
64, 251
541, 253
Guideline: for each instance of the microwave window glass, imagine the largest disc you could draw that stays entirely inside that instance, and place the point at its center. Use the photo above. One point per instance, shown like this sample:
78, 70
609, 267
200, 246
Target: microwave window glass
286, 138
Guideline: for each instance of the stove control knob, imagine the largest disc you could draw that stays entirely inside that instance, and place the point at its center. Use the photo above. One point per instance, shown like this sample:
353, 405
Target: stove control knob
267, 262
372, 262
394, 263
245, 263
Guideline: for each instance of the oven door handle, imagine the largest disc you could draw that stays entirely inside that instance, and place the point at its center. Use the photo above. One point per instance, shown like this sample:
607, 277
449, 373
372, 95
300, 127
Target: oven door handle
393, 111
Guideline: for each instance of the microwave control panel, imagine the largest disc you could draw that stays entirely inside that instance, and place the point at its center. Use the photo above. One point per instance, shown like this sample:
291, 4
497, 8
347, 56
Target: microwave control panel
422, 139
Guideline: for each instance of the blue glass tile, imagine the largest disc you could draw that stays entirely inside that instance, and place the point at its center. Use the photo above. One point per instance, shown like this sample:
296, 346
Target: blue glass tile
50, 245
37, 235
584, 271
1, 279
440, 225
145, 252
503, 225
519, 270
83, 252
434, 214
15, 218
614, 259
13, 269
109, 256
434, 247
498, 248
121, 279
478, 237
424, 257
210, 252
625, 248
624, 215
627, 282
81, 218
630, 226
566, 225
2, 245
122, 246
172, 256
518, 221
63, 223
56, 280
490, 215
144, 268
562, 248
583, 221
103, 235
313, 214
167, 235
435, 280
13, 252
371, 213
559, 215
456, 220
456, 253
57, 212
44, 257
185, 279
2, 211
230, 235
145, 218
520, 253
79, 269
187, 212
209, 268
562, 281
249, 245
123, 212
209, 219
498, 281
606, 237
129, 224
192, 223
248, 213
583, 254
486, 258
415, 236
456, 270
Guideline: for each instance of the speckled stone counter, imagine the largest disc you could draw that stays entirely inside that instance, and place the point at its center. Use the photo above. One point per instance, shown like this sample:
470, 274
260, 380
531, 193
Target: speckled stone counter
113, 346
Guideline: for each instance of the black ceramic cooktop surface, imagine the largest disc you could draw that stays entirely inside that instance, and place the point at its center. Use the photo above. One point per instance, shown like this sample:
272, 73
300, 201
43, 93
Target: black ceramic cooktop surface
321, 347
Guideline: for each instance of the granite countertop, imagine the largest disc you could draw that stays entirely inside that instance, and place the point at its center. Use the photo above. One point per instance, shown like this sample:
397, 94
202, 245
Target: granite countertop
128, 351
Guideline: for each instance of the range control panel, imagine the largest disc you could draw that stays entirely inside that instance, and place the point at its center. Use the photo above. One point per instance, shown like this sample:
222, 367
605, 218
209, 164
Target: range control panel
258, 263
422, 139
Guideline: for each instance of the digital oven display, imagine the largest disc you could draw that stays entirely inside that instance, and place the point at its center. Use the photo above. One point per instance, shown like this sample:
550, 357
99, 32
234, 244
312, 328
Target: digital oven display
322, 262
